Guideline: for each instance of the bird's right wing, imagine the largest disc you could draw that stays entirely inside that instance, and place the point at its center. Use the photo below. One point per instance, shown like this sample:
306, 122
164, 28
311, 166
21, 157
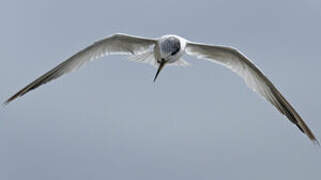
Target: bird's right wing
254, 78
115, 44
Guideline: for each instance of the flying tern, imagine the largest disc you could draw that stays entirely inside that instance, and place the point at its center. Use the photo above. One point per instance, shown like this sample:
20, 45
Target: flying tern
168, 50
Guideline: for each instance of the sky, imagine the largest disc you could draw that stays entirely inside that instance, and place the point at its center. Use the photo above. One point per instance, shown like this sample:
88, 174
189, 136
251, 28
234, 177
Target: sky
110, 121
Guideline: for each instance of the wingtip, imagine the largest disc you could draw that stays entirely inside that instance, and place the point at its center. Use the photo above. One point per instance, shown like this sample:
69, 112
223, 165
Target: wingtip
15, 96
5, 103
8, 101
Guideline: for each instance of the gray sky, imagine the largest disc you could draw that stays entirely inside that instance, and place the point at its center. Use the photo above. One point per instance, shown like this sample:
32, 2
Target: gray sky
110, 121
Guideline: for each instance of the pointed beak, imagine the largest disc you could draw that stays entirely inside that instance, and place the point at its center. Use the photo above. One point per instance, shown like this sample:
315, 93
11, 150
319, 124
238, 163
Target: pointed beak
160, 67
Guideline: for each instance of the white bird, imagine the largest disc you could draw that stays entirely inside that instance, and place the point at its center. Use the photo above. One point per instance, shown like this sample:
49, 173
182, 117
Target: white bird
167, 50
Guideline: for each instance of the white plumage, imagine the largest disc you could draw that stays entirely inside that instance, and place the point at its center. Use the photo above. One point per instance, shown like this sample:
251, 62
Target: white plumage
168, 50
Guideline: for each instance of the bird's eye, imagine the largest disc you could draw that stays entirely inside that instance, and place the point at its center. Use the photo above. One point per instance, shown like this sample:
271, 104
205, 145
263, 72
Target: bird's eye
162, 60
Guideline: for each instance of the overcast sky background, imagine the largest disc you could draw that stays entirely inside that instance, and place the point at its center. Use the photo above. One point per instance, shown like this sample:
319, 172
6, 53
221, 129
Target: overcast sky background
110, 121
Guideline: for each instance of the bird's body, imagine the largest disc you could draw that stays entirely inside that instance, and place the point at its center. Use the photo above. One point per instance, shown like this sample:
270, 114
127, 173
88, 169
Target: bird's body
168, 50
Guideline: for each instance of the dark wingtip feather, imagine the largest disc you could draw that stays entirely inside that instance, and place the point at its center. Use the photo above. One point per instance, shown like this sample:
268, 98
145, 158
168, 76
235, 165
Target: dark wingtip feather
18, 94
5, 103
10, 99
286, 108
52, 74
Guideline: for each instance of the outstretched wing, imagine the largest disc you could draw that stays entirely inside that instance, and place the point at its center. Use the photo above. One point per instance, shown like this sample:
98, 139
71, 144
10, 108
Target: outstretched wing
115, 44
254, 78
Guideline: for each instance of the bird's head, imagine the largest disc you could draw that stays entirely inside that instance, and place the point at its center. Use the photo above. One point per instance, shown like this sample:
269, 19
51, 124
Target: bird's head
170, 50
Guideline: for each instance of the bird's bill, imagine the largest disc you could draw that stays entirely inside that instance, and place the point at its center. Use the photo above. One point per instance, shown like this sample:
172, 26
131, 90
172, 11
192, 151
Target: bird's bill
160, 67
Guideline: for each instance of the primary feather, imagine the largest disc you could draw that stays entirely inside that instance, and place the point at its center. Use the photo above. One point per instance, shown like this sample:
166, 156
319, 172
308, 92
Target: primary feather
253, 77
115, 44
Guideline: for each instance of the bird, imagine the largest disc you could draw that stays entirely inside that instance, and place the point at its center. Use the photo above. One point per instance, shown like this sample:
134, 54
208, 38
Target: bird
168, 50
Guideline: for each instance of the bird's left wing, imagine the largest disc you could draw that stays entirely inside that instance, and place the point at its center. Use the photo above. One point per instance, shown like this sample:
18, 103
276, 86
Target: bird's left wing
115, 44
254, 78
